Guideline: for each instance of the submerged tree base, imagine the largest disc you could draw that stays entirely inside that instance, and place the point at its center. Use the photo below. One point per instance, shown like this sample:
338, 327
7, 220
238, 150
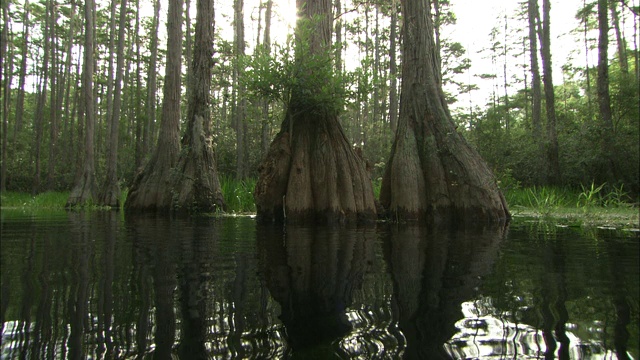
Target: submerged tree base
312, 175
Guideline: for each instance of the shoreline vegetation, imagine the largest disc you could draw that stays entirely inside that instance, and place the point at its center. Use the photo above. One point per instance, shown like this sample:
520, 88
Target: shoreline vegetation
591, 206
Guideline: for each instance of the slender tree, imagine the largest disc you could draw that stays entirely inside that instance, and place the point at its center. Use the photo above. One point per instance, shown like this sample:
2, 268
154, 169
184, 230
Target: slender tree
553, 164
195, 180
152, 84
23, 71
393, 69
150, 190
240, 101
604, 100
110, 192
4, 39
85, 189
311, 173
536, 86
266, 48
433, 174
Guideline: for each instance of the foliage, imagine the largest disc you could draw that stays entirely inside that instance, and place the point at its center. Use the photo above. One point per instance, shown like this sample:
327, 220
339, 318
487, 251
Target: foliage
238, 194
298, 78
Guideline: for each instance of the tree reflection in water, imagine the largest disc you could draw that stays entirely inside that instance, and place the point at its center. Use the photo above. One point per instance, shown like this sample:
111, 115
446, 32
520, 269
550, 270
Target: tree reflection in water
95, 285
313, 273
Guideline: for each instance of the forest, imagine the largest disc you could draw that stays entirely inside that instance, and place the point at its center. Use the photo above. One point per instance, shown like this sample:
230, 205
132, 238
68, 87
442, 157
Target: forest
96, 96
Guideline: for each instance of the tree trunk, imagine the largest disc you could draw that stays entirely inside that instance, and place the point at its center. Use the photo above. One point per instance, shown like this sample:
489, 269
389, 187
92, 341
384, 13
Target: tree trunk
620, 40
311, 173
604, 100
23, 73
152, 85
5, 71
266, 47
196, 184
536, 91
240, 99
433, 175
42, 99
110, 193
85, 188
393, 70
553, 165
150, 190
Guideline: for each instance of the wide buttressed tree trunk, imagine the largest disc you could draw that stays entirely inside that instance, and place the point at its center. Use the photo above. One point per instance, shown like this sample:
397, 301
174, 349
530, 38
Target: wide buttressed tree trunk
310, 173
151, 190
195, 180
433, 174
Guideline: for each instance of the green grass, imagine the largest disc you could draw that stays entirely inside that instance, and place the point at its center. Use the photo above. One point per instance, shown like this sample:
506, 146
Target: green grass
589, 206
46, 200
238, 194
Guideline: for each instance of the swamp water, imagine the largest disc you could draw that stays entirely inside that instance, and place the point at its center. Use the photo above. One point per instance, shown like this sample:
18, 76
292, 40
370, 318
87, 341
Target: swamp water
101, 286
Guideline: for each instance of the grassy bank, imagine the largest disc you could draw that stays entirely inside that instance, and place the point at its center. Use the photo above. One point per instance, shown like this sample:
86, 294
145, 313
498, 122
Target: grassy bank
588, 206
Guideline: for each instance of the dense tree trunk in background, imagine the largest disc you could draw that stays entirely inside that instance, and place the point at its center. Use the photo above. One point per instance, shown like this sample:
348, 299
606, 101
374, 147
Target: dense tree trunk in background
139, 118
393, 69
64, 99
85, 189
311, 173
536, 86
23, 72
150, 190
54, 106
433, 174
620, 41
553, 165
240, 101
110, 192
604, 100
195, 181
42, 99
266, 48
4, 72
152, 85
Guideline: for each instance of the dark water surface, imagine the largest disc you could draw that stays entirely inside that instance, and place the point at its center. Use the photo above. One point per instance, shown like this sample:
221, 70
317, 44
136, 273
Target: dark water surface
99, 286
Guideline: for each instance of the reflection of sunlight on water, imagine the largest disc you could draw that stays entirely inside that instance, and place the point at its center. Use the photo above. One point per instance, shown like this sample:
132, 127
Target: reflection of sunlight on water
483, 335
374, 335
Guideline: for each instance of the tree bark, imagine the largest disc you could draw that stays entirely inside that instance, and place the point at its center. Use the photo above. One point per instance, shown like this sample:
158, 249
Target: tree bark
393, 69
239, 98
311, 174
536, 91
553, 164
85, 189
266, 48
433, 174
152, 85
5, 71
604, 100
196, 184
42, 99
150, 190
110, 193
23, 72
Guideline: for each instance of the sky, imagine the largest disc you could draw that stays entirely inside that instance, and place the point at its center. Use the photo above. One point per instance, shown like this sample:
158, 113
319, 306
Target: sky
475, 19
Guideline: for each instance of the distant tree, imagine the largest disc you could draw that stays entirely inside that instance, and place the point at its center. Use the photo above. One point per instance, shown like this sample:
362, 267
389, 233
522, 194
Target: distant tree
85, 189
195, 180
151, 190
311, 173
433, 174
